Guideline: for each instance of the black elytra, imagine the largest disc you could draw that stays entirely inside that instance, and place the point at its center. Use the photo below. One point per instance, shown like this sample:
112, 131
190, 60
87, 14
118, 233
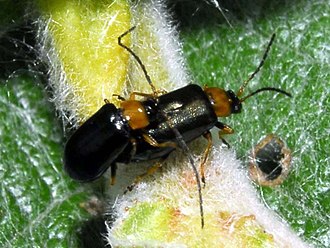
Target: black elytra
96, 144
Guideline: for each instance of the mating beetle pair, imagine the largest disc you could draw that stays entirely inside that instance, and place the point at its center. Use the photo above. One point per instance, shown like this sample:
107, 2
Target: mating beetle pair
144, 130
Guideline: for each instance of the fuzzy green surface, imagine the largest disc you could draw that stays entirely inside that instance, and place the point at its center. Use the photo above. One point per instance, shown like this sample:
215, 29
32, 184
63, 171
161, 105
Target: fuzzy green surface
298, 63
38, 206
157, 216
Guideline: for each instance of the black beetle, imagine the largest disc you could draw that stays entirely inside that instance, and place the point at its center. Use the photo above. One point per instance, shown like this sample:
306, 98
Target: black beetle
140, 130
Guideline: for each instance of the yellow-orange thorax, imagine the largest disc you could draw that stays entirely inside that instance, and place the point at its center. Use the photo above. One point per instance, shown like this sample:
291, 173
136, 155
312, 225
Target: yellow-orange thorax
135, 113
220, 101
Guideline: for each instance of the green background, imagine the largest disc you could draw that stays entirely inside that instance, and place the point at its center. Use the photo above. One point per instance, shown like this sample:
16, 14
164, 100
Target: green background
39, 204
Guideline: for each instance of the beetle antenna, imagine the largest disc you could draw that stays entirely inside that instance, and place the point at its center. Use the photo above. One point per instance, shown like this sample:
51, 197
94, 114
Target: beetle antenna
265, 89
187, 152
178, 135
241, 89
137, 59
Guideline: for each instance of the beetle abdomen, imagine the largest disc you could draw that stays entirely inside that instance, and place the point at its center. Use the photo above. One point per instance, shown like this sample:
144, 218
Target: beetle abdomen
96, 144
188, 109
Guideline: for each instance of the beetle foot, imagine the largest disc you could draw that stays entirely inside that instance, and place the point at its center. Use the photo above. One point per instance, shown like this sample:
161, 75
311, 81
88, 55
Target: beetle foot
225, 142
129, 188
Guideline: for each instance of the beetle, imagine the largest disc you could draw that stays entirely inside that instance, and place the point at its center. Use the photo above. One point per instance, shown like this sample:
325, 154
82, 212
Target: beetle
144, 130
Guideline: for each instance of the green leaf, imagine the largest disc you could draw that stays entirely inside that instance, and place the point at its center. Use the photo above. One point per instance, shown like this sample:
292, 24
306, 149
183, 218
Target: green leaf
39, 205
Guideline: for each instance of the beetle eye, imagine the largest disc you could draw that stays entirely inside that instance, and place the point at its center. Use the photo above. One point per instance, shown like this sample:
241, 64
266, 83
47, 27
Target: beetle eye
236, 105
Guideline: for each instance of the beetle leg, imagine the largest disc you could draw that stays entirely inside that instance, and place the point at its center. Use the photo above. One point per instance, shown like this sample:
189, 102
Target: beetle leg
119, 97
224, 129
113, 166
151, 141
135, 93
161, 92
208, 136
151, 170
113, 173
133, 151
106, 101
